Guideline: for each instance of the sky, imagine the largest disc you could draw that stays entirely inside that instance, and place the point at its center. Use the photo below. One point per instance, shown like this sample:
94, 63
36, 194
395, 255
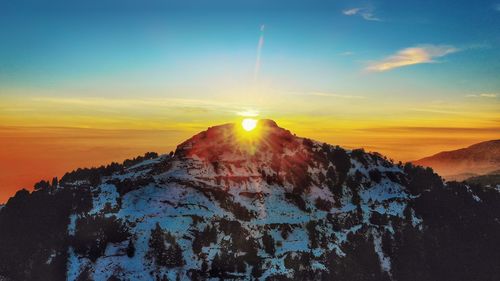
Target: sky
84, 83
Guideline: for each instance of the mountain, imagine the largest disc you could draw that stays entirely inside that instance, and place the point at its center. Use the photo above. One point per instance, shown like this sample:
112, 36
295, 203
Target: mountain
490, 179
264, 205
477, 159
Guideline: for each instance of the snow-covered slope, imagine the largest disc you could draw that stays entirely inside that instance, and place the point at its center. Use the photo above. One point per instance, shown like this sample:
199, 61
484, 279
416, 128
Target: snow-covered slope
265, 205
275, 184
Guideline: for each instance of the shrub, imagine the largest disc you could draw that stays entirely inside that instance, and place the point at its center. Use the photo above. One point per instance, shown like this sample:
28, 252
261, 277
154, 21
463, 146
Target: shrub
130, 249
131, 162
312, 234
323, 205
204, 238
375, 175
41, 185
340, 159
297, 200
268, 242
359, 155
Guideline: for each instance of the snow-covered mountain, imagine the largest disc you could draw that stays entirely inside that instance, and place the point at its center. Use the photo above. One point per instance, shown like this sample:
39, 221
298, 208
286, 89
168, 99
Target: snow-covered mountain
266, 205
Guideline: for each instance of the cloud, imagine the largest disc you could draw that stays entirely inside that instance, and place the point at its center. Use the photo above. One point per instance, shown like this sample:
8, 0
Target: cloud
485, 95
497, 7
259, 52
153, 105
413, 55
351, 12
333, 95
365, 13
347, 53
248, 113
488, 95
433, 130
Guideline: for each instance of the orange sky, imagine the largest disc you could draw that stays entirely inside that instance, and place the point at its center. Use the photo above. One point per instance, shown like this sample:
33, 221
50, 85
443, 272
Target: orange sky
47, 133
29, 154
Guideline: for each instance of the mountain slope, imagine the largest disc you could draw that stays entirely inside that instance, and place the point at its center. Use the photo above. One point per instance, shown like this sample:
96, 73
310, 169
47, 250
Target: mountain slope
477, 159
490, 179
267, 205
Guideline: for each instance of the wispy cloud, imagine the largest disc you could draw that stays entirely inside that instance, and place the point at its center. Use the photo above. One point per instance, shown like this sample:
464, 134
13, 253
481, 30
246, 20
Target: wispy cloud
409, 129
497, 7
347, 53
413, 55
259, 51
149, 105
334, 95
484, 95
365, 13
351, 12
248, 113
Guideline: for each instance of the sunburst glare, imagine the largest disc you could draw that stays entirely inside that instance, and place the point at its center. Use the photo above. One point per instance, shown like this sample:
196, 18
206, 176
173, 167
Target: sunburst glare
249, 124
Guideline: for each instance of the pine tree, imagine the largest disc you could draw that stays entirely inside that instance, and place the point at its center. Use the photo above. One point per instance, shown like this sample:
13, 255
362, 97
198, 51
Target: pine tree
268, 242
130, 249
54, 182
157, 245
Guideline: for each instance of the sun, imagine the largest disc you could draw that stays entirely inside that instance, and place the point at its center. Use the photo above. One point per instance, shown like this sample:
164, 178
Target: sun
249, 124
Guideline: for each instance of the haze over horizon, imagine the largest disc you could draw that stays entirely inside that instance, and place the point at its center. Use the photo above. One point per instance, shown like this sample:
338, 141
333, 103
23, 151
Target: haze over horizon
84, 84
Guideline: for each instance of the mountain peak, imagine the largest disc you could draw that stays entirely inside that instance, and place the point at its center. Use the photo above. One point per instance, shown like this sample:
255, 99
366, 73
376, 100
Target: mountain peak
487, 145
231, 140
240, 160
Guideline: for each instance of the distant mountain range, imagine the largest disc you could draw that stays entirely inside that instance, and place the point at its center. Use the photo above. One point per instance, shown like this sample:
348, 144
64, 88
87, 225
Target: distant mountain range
264, 206
475, 160
490, 179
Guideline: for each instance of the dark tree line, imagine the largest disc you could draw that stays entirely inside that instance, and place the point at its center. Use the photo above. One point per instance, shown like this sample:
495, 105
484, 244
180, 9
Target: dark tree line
94, 175
33, 232
94, 232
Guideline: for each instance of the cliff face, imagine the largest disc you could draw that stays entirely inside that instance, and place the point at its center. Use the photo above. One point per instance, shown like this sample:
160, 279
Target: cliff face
265, 205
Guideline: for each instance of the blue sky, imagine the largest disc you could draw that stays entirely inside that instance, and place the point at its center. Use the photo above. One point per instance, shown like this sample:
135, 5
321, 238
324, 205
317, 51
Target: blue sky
350, 60
308, 44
